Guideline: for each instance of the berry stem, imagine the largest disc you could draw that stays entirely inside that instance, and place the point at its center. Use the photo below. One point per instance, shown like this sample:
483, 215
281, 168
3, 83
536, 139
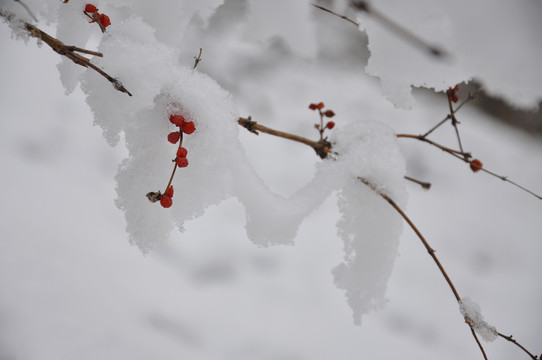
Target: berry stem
321, 125
175, 162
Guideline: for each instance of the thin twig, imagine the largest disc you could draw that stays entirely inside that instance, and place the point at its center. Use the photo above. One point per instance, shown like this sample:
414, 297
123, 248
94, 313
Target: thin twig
393, 26
512, 340
322, 147
429, 249
448, 117
423, 184
344, 17
70, 52
454, 121
175, 162
84, 51
466, 158
27, 10
197, 59
470, 97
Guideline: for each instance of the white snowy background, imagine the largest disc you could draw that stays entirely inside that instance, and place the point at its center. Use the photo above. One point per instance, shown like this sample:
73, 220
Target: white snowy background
72, 286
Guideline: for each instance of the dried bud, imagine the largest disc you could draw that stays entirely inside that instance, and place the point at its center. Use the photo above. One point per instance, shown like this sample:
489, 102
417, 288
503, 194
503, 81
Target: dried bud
329, 113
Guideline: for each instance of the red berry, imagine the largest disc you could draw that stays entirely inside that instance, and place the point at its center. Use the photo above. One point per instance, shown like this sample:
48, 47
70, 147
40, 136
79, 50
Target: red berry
90, 8
182, 152
329, 113
176, 120
182, 162
454, 97
476, 165
104, 20
313, 107
169, 191
174, 137
188, 127
165, 201
452, 94
330, 124
320, 106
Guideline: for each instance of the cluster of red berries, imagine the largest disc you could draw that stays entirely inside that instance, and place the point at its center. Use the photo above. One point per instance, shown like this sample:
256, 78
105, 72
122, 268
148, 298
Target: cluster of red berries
328, 113
452, 93
92, 12
165, 199
476, 165
185, 127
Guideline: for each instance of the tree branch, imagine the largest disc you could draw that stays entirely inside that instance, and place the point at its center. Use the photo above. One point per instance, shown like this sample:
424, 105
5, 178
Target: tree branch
322, 147
70, 52
466, 158
390, 24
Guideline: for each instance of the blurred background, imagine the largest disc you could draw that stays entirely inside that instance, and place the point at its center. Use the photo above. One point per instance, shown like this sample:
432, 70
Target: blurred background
71, 285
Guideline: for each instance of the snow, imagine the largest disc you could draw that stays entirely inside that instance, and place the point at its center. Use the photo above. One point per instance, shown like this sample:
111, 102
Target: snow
486, 40
65, 260
472, 313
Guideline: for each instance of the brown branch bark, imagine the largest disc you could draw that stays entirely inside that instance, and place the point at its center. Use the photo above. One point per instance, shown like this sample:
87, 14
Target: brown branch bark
70, 52
322, 147
466, 158
429, 250
512, 340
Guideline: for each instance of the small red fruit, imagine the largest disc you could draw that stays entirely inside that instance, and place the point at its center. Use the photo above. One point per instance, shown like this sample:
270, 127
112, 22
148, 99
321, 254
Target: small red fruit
476, 165
176, 120
329, 113
330, 125
188, 127
104, 20
90, 8
182, 152
313, 106
169, 191
452, 93
174, 137
165, 201
320, 106
182, 162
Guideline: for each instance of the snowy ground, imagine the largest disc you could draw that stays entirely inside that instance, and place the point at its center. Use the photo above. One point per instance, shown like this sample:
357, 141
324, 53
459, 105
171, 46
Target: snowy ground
71, 286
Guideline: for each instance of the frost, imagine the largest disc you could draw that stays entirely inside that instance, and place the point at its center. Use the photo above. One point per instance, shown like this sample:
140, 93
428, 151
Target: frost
473, 314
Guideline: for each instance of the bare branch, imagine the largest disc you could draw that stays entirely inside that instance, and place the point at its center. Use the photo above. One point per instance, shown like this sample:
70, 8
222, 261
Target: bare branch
427, 247
322, 147
466, 158
197, 59
512, 340
390, 24
344, 17
423, 184
70, 52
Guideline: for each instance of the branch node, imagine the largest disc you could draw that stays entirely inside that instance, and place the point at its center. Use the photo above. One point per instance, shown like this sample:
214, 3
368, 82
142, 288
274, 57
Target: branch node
248, 124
